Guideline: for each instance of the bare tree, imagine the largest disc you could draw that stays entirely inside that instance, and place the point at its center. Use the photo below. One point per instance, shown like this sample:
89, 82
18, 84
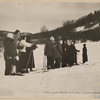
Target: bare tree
43, 29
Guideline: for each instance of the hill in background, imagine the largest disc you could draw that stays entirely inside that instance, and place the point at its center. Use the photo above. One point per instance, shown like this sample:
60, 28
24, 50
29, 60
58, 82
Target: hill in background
82, 29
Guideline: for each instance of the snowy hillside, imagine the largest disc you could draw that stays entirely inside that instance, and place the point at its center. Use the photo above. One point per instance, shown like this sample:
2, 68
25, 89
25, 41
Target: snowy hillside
79, 81
85, 28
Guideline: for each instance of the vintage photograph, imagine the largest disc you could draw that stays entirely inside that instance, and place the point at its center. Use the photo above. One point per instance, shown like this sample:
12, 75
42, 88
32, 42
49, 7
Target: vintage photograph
49, 50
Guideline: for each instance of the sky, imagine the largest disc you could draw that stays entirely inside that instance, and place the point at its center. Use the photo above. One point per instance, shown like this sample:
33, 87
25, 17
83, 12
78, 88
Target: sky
31, 16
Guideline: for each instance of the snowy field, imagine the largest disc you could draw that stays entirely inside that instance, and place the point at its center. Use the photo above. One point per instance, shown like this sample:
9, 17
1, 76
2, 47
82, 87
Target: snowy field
79, 81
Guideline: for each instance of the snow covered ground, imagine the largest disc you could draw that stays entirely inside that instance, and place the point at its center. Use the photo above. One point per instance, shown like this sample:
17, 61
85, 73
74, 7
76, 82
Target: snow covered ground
79, 81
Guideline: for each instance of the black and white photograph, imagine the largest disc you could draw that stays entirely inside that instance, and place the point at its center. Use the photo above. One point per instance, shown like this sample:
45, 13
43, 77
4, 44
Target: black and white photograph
49, 50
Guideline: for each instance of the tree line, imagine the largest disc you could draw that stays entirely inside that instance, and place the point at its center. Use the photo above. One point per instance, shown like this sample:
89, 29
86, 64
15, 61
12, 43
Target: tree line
67, 30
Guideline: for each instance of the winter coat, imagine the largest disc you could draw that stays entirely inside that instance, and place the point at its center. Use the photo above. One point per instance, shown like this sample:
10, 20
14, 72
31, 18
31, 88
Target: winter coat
85, 58
49, 48
65, 49
58, 50
24, 44
72, 50
72, 53
9, 49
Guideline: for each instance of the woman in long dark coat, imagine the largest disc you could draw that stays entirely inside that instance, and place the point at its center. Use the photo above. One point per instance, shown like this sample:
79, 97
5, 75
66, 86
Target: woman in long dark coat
72, 54
84, 55
23, 55
30, 56
65, 50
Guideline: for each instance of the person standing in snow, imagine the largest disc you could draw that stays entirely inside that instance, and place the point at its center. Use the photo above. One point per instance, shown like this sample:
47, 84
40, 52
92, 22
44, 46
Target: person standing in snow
48, 52
72, 54
17, 40
23, 57
84, 54
9, 54
29, 55
75, 56
58, 52
65, 50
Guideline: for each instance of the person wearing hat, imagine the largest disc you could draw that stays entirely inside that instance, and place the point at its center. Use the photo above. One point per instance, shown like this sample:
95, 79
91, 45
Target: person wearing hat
65, 50
48, 52
84, 54
9, 53
30, 55
58, 52
73, 54
23, 57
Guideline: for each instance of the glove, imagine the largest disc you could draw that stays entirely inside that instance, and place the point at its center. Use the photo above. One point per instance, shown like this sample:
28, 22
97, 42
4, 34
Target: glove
33, 47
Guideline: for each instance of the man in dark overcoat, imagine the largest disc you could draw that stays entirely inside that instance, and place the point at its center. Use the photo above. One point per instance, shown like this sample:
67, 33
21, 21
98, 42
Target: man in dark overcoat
9, 53
58, 52
49, 52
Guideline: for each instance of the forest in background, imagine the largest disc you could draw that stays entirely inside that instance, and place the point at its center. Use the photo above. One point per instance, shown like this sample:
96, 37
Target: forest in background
68, 30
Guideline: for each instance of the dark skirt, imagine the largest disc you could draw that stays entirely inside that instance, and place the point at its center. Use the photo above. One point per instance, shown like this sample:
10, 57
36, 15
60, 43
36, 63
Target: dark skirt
30, 60
50, 62
85, 57
71, 59
22, 61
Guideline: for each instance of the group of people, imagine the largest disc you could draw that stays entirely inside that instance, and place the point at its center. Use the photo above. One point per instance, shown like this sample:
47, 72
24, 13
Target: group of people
18, 54
62, 55
19, 57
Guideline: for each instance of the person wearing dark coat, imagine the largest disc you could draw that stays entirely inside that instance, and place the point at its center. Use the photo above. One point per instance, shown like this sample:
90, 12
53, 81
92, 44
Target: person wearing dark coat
65, 50
58, 52
17, 39
30, 55
9, 53
49, 53
72, 54
23, 57
84, 54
